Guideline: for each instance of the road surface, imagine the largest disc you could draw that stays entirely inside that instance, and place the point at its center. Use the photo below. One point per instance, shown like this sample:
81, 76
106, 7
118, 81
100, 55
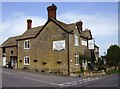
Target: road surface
14, 78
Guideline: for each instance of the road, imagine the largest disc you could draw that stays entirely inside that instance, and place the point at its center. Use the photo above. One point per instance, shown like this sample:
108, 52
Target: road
14, 78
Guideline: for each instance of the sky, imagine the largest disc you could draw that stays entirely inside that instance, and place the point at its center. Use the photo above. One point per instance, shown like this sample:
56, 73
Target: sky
100, 17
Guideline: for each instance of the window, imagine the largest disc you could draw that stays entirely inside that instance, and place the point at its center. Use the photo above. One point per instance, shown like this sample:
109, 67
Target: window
26, 60
84, 42
76, 40
26, 44
77, 59
3, 50
12, 52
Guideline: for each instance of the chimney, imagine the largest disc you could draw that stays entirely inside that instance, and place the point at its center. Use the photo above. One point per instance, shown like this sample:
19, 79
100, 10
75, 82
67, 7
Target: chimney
52, 11
79, 26
29, 24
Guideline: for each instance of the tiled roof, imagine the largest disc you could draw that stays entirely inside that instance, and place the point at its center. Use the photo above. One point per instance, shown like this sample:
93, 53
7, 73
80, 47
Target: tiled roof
10, 41
86, 34
33, 32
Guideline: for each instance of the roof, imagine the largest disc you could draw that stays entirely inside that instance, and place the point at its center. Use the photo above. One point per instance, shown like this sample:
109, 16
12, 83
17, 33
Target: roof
96, 46
11, 41
86, 34
34, 32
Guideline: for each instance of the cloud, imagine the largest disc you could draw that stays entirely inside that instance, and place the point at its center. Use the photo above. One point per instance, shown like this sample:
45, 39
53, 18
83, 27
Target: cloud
16, 25
99, 24
103, 27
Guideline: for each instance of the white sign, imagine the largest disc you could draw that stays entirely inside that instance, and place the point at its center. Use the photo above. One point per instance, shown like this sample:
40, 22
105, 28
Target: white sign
91, 44
59, 45
84, 42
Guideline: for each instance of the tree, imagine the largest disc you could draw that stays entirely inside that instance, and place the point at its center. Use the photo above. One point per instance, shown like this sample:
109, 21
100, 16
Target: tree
113, 55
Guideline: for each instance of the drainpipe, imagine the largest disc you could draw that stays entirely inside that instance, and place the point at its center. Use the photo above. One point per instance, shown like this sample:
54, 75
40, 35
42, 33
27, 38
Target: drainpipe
68, 57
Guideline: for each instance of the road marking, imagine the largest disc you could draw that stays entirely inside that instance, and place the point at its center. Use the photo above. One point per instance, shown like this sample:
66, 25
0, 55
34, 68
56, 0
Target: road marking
5, 72
67, 84
74, 83
41, 81
78, 82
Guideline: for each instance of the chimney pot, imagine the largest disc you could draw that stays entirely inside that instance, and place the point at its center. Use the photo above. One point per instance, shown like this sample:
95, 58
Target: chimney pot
52, 11
29, 24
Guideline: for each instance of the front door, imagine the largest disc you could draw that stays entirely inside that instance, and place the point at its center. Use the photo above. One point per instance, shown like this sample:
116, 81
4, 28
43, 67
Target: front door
13, 62
4, 61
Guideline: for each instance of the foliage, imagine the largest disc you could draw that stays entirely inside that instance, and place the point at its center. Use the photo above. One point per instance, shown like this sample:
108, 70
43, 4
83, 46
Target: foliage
114, 72
113, 55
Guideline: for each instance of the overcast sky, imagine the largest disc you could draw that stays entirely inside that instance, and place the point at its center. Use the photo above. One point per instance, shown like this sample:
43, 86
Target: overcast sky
100, 18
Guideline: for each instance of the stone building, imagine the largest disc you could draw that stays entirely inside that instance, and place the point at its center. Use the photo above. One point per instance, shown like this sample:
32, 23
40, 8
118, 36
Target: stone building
54, 47
0, 56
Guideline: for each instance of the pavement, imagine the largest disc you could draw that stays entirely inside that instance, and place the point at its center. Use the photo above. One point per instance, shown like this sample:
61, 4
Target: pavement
15, 78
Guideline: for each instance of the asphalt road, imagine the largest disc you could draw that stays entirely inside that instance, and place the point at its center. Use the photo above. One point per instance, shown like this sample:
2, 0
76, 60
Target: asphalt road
14, 78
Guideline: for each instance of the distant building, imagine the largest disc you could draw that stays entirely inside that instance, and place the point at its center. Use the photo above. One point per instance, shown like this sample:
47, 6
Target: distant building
54, 47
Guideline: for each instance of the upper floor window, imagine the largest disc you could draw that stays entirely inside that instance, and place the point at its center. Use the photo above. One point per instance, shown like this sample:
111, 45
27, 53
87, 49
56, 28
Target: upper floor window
26, 60
84, 42
26, 44
76, 40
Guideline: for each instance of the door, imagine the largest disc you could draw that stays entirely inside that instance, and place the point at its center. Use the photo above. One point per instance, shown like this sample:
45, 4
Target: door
4, 62
13, 62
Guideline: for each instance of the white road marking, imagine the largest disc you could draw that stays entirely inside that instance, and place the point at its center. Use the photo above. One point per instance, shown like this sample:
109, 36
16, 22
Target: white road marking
68, 83
80, 82
6, 72
41, 81
74, 81
74, 84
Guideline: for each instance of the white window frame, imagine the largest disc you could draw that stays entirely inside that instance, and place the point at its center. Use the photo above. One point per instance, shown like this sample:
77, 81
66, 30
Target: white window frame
84, 42
26, 43
25, 59
76, 59
76, 40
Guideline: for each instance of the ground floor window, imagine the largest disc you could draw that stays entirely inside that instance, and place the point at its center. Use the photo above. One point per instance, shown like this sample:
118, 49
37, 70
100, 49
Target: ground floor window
26, 60
77, 59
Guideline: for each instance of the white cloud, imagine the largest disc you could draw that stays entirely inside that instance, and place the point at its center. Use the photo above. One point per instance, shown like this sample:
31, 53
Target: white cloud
17, 25
100, 24
104, 28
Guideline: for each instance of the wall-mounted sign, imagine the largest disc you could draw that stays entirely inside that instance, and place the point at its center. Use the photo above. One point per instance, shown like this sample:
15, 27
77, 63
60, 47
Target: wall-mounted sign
84, 42
91, 44
59, 45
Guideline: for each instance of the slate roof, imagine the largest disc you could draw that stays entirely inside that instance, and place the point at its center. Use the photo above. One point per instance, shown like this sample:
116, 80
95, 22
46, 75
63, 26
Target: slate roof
33, 32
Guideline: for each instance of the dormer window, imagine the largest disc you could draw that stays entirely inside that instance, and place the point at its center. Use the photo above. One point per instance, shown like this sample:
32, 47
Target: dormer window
26, 44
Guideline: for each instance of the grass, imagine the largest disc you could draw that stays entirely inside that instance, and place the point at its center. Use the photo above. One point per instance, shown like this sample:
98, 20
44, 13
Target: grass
114, 72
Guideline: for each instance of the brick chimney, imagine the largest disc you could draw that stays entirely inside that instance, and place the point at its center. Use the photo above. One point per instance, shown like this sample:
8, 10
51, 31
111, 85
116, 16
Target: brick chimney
29, 24
52, 11
79, 26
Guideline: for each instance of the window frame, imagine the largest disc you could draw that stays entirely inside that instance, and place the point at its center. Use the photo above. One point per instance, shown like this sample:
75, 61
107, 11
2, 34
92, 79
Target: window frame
76, 59
24, 60
26, 44
76, 39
